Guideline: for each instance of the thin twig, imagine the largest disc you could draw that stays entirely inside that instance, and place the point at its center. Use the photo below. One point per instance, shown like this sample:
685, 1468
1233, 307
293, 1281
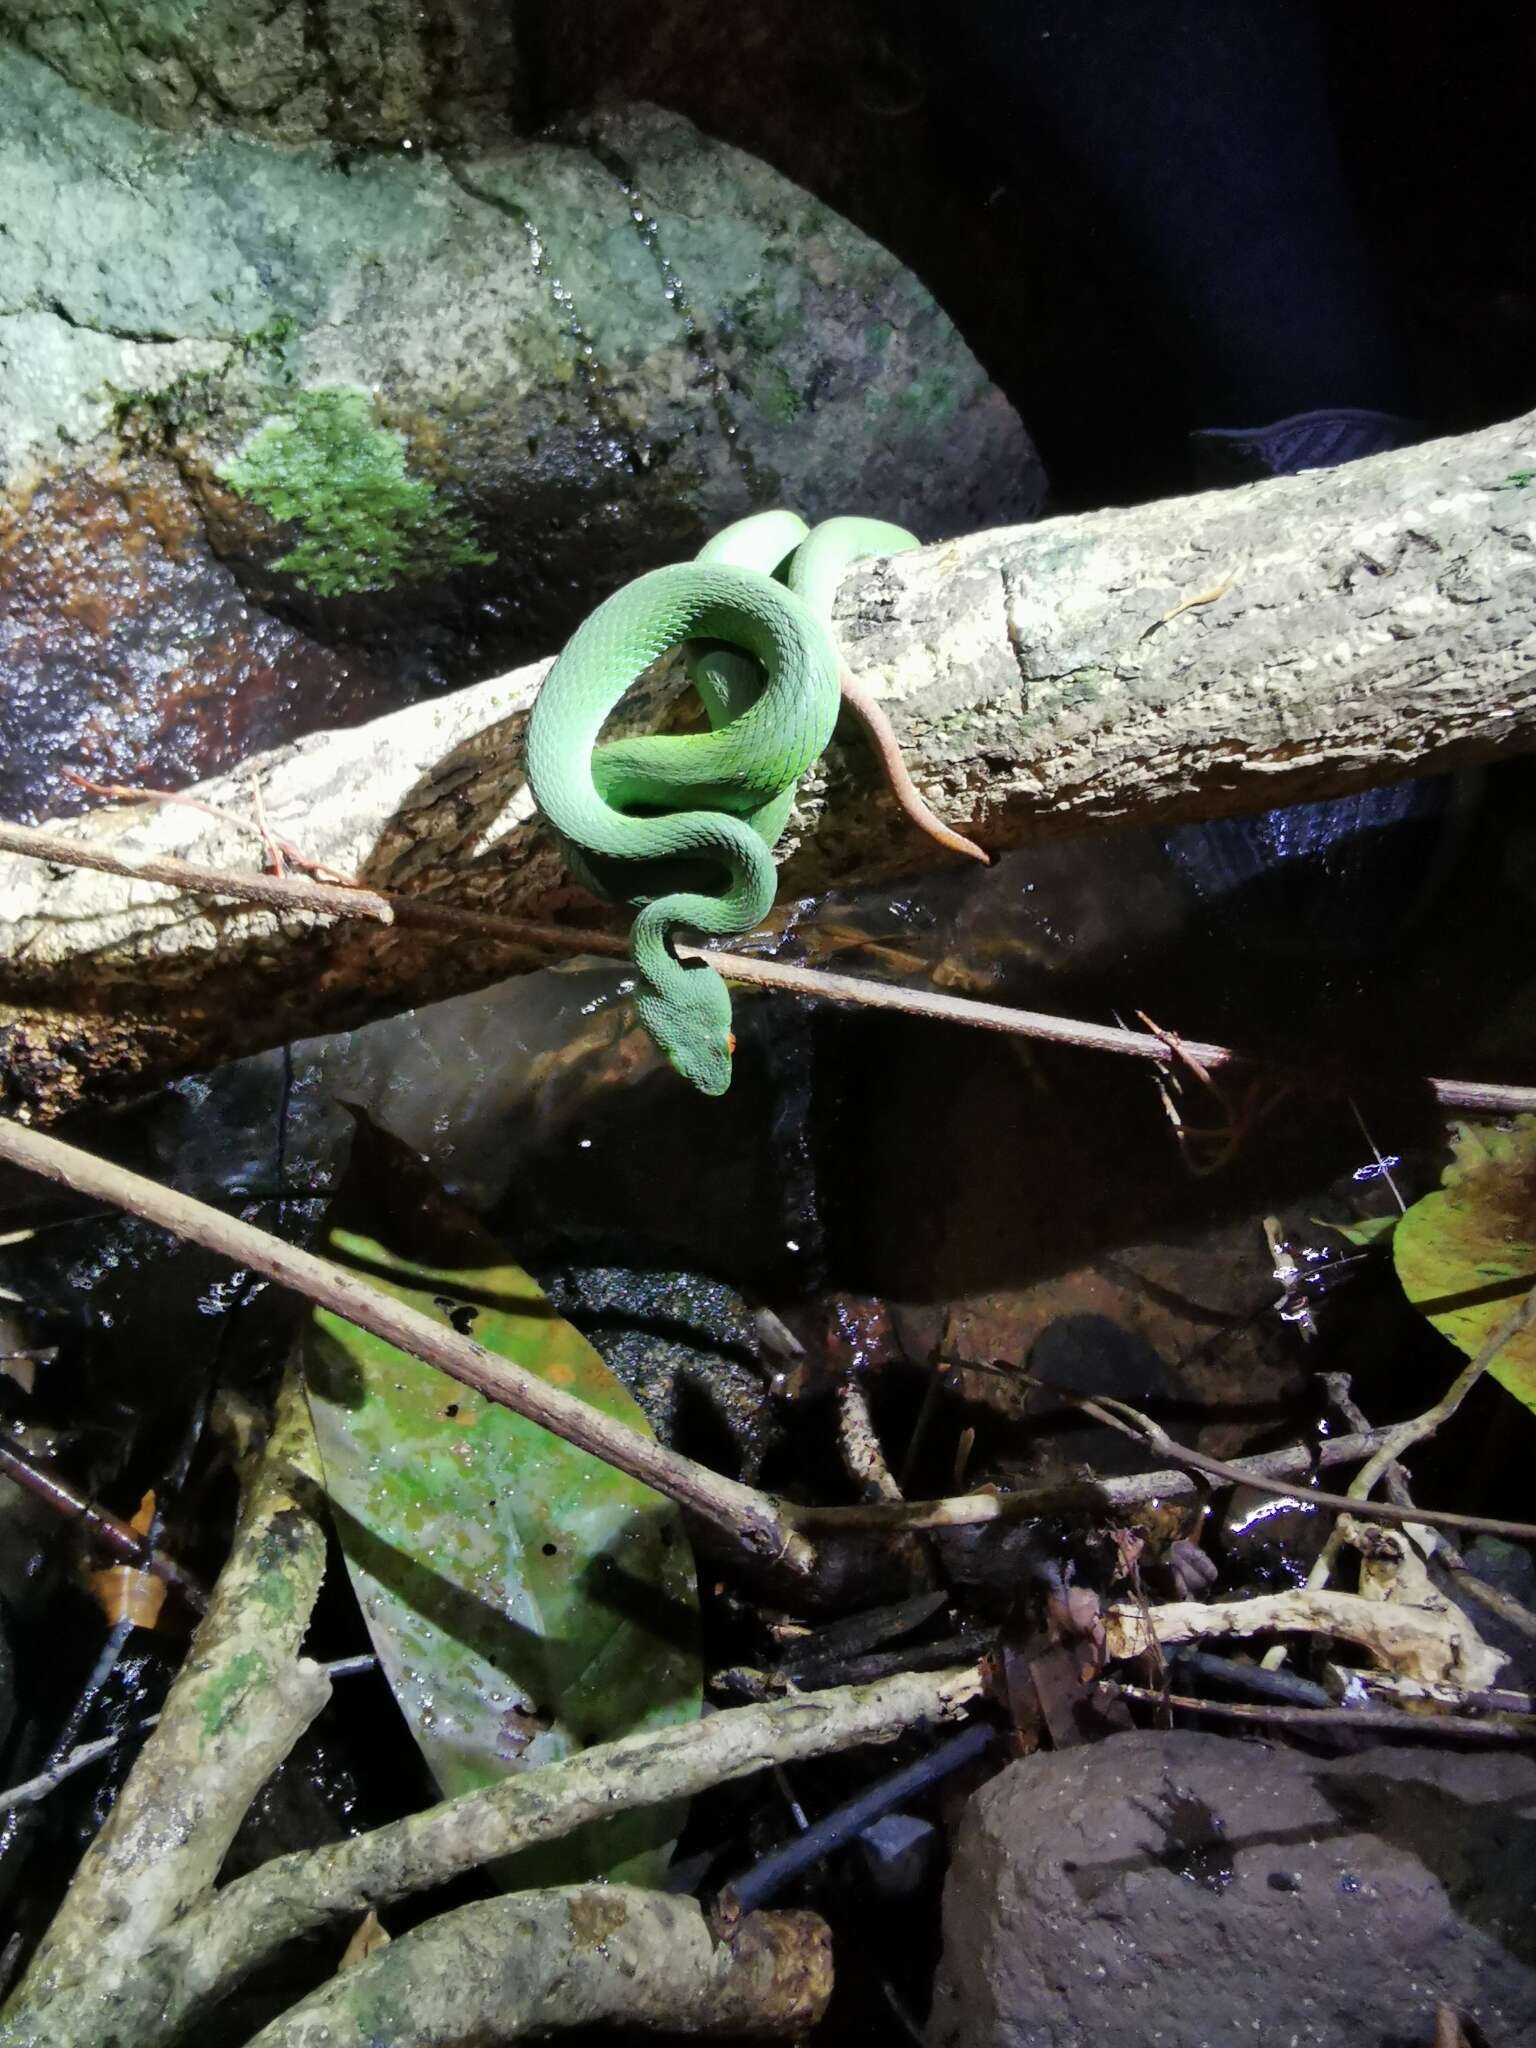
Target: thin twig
119, 1536
1090, 1495
761, 1526
1338, 1386
275, 892
1402, 1436
751, 1520
281, 853
1492, 1699
1381, 1165
31, 1790
1365, 1720
1132, 1423
1494, 1598
1395, 1479
292, 892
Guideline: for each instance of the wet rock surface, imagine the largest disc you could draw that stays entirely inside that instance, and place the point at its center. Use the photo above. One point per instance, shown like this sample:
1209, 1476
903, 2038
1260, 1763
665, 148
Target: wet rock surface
1190, 1889
130, 653
359, 70
364, 427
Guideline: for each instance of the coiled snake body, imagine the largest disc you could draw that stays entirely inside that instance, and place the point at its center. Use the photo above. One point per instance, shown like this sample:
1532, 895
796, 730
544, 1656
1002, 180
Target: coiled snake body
646, 820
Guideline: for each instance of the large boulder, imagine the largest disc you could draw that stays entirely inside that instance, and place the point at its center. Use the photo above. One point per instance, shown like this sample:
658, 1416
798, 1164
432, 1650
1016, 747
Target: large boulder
1196, 1891
293, 434
353, 70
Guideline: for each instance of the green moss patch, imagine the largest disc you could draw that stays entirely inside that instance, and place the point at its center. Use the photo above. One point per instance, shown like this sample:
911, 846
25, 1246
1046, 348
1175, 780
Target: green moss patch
365, 522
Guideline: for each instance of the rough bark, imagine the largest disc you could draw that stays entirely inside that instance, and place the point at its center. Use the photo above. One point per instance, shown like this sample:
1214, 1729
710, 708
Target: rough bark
585, 1956
1194, 658
163, 1994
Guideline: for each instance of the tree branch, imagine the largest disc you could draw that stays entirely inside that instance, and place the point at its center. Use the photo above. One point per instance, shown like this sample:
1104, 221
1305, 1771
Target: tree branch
239, 1703
576, 1956
522, 939
246, 1923
750, 1521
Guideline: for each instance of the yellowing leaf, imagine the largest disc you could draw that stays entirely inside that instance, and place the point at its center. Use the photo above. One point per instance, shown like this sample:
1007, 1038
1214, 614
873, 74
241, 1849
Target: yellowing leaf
1467, 1253
525, 1599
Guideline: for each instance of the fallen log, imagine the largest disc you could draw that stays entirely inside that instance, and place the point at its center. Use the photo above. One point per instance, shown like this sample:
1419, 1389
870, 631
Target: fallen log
1193, 658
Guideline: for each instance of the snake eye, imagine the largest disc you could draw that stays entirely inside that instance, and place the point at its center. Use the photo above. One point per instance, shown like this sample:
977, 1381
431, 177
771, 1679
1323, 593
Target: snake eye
730, 1043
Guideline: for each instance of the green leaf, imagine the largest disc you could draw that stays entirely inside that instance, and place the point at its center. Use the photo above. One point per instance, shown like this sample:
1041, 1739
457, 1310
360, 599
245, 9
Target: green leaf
525, 1599
1369, 1231
1467, 1253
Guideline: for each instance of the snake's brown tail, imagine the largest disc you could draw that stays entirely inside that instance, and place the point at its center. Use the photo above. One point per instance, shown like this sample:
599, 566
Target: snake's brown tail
883, 739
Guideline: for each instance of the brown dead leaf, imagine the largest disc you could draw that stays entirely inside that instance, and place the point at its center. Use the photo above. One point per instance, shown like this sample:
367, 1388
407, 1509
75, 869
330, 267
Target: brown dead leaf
369, 1934
126, 1592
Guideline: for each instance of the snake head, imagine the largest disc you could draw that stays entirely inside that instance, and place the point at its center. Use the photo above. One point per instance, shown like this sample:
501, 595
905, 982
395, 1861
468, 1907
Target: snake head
693, 1028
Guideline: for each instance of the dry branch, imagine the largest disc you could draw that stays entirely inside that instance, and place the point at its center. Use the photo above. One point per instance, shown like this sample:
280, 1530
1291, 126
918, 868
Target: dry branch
214, 1948
757, 1526
1347, 1722
1378, 622
1404, 1435
1419, 1642
580, 1956
240, 1702
749, 1520
522, 939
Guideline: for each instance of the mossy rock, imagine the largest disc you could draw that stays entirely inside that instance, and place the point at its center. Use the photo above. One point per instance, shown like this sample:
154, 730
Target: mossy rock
365, 522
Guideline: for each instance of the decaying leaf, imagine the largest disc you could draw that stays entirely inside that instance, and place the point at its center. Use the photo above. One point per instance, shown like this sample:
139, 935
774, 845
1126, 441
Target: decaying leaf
369, 1935
126, 1592
525, 1599
1466, 1254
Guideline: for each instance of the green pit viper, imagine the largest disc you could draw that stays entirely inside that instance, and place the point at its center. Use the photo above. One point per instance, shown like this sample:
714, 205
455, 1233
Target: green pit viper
647, 821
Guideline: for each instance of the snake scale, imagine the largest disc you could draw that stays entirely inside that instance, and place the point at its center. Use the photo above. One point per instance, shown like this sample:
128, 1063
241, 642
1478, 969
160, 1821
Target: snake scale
655, 821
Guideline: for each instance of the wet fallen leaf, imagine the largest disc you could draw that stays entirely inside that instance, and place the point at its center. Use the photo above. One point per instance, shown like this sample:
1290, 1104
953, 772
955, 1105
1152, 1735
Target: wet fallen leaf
525, 1600
126, 1592
1466, 1254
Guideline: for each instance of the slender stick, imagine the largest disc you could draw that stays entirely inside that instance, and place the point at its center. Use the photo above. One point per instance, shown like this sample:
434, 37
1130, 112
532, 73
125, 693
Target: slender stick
295, 892
1405, 1434
1494, 1598
86, 1753
117, 1535
1132, 1423
766, 1528
277, 892
776, 1867
1267, 1473
1377, 1720
1401, 1437
748, 1518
